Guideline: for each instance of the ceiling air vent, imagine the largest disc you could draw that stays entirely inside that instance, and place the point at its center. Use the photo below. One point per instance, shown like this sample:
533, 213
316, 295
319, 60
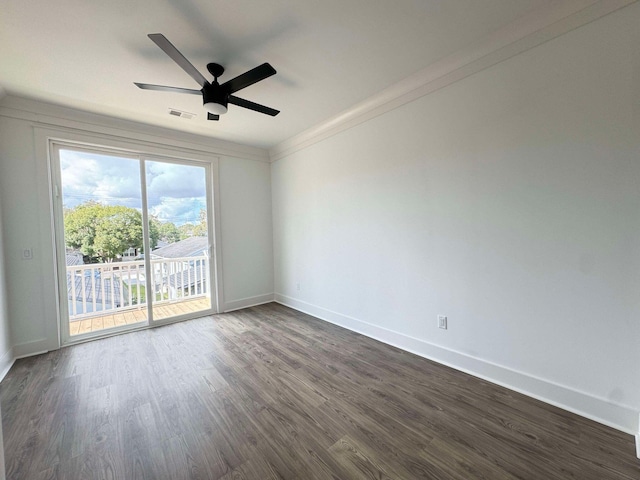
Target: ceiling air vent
181, 114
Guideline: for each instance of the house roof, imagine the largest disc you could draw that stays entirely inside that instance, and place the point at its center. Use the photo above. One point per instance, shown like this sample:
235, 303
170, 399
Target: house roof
189, 247
89, 284
73, 259
187, 278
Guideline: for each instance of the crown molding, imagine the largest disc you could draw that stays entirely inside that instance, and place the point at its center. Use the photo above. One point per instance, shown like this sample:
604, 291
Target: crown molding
51, 115
527, 32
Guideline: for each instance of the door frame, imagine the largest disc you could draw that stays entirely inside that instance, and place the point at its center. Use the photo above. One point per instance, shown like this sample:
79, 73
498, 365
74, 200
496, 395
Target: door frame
111, 146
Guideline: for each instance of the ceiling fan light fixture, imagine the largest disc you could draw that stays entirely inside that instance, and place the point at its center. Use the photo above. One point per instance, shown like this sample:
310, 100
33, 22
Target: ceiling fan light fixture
214, 99
215, 108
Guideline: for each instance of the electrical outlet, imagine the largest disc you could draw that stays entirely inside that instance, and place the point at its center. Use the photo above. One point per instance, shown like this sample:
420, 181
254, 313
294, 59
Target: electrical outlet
442, 322
298, 286
27, 254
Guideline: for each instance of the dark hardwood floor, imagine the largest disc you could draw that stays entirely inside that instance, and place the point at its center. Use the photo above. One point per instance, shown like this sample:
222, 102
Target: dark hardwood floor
268, 392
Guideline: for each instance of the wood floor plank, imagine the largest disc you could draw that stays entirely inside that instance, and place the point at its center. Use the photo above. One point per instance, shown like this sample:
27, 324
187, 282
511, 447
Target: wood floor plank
357, 463
454, 457
253, 468
271, 393
208, 456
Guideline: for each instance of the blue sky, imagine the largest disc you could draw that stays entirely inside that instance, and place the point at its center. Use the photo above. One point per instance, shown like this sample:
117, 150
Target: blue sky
176, 193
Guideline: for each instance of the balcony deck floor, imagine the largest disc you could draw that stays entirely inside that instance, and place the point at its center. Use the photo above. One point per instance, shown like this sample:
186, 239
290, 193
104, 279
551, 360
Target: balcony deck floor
128, 317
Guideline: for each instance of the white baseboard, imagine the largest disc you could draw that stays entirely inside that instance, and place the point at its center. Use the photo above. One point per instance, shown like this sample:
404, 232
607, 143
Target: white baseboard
31, 348
247, 302
6, 362
638, 439
617, 416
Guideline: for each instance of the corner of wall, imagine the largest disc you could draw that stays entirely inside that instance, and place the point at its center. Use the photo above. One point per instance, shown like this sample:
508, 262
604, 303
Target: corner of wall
247, 302
6, 362
7, 357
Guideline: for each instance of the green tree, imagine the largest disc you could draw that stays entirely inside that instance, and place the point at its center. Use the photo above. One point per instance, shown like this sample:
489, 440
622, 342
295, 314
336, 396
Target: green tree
154, 231
186, 230
103, 232
169, 232
200, 230
80, 226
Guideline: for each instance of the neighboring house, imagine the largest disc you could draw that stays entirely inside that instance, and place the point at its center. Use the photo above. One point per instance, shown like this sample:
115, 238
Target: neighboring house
130, 254
183, 275
160, 244
189, 247
135, 253
74, 257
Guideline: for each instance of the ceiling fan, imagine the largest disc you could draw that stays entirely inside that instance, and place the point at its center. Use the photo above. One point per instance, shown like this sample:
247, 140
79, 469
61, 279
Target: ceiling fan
215, 97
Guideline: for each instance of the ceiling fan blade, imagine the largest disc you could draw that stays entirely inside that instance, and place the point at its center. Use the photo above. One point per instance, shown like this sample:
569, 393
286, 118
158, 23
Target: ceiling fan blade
249, 78
211, 116
168, 48
241, 102
162, 88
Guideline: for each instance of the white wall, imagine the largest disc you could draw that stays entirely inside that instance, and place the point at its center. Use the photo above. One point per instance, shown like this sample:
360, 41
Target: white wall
6, 354
244, 200
508, 201
247, 236
19, 196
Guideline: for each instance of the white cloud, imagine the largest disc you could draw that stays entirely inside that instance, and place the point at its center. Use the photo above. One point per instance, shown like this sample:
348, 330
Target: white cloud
179, 210
106, 179
172, 181
175, 192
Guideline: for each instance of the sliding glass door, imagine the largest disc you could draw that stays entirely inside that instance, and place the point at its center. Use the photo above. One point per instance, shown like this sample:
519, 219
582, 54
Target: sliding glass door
133, 237
178, 227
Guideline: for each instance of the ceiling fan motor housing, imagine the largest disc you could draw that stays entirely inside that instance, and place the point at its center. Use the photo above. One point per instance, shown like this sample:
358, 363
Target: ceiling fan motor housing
212, 93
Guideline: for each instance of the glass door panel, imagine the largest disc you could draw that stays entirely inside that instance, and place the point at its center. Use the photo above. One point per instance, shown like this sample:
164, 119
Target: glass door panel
179, 238
103, 241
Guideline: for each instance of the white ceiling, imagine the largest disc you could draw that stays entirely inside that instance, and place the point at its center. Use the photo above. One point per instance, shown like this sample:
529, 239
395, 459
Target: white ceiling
329, 54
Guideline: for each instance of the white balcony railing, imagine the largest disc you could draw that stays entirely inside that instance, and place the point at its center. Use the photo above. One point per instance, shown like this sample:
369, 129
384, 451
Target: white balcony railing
107, 288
